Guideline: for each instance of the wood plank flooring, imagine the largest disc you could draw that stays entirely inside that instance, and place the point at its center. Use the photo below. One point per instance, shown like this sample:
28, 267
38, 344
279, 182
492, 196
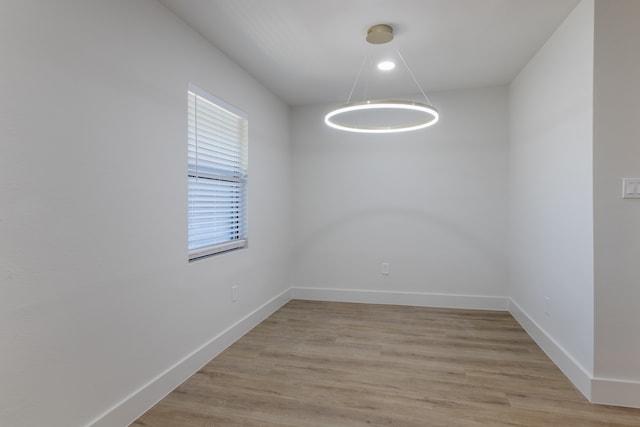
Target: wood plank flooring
322, 364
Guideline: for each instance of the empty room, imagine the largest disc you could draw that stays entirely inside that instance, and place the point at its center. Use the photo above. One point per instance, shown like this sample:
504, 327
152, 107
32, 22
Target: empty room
319, 213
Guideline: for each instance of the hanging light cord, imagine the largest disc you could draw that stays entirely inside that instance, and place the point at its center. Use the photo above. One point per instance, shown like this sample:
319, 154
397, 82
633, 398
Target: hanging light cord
412, 76
355, 83
364, 61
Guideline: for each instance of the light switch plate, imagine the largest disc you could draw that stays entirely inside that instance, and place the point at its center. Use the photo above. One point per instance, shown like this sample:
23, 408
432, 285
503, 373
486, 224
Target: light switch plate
631, 188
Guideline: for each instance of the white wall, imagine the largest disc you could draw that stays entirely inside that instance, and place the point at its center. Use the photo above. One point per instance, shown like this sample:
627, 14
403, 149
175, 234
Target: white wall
431, 203
617, 236
550, 191
97, 297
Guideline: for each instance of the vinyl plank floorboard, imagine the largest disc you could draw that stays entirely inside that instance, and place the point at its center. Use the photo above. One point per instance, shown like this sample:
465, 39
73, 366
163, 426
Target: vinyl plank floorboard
324, 364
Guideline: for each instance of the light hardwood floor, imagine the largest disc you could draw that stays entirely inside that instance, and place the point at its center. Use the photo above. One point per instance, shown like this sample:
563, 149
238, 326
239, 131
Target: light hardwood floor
335, 364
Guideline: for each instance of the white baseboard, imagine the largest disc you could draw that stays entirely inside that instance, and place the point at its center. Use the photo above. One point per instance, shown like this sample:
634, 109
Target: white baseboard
576, 373
418, 299
608, 391
598, 390
138, 402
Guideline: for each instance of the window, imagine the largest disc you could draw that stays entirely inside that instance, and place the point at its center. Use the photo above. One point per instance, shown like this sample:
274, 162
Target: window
217, 175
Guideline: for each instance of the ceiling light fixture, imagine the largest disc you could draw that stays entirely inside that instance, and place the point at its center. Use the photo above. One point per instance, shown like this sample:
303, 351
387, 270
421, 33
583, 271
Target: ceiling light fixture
386, 65
381, 116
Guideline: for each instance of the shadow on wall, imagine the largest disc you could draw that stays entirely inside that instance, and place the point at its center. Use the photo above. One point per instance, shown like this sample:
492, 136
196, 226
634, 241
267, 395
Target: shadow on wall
433, 246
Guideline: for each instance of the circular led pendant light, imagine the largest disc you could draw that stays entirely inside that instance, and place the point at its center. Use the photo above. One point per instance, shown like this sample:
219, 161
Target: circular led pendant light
427, 116
382, 116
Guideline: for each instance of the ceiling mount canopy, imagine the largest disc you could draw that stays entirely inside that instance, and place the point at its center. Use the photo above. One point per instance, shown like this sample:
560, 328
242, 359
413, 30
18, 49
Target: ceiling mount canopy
382, 116
380, 34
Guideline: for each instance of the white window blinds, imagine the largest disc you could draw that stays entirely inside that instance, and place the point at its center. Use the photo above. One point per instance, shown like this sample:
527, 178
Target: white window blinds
217, 175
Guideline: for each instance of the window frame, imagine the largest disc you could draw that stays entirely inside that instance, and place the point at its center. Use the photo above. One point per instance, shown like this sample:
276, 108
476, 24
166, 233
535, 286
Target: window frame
226, 181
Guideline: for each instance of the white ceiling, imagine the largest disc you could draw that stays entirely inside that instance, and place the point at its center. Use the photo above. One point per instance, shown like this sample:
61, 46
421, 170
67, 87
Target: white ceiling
311, 51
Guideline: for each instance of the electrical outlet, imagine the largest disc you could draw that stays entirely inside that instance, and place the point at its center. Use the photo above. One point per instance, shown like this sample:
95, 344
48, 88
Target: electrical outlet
234, 293
631, 188
385, 268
